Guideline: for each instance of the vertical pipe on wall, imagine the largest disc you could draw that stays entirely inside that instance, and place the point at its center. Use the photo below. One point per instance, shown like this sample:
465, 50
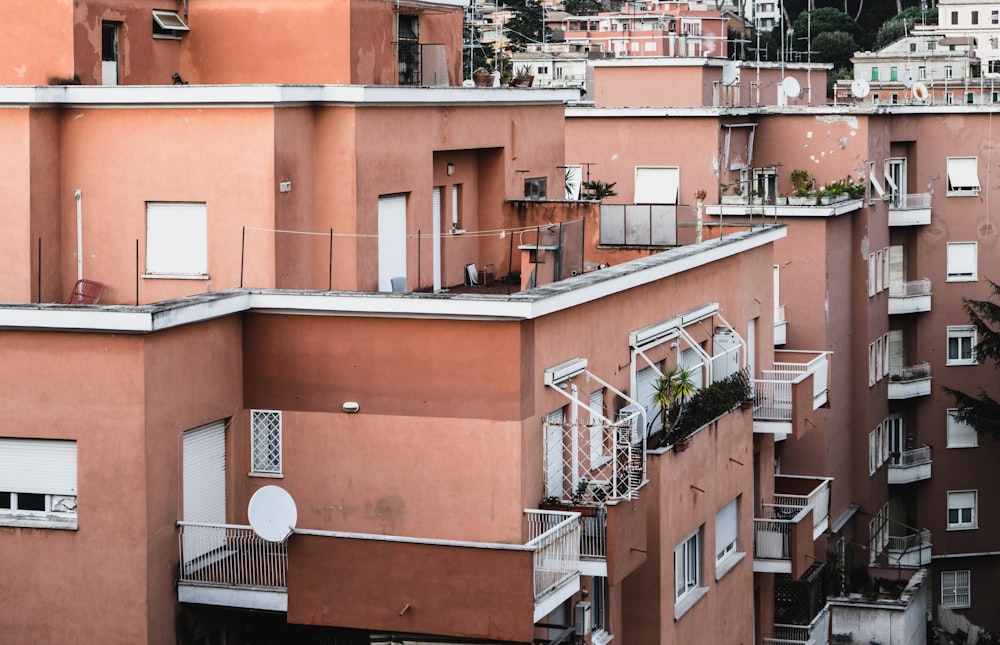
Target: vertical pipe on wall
243, 251
330, 287
79, 233
137, 273
39, 278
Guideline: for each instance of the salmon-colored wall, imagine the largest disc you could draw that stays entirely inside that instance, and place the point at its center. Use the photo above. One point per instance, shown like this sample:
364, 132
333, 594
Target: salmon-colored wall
643, 86
45, 265
687, 490
38, 42
302, 259
15, 217
223, 157
462, 592
88, 388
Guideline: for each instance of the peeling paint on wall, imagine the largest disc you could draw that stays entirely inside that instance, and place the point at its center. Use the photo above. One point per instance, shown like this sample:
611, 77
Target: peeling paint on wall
852, 121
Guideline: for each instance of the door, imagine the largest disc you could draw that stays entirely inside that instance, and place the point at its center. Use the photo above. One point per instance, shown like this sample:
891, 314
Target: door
109, 53
554, 454
391, 240
895, 177
204, 487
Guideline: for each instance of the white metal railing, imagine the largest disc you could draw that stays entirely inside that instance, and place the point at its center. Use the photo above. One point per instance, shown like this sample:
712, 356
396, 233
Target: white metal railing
779, 314
772, 400
919, 455
911, 541
910, 372
593, 535
818, 499
817, 366
910, 201
555, 538
230, 555
921, 287
772, 536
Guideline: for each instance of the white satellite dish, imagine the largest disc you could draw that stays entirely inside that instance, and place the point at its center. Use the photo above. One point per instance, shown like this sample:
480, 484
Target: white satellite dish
791, 87
272, 513
907, 79
730, 75
860, 88
920, 91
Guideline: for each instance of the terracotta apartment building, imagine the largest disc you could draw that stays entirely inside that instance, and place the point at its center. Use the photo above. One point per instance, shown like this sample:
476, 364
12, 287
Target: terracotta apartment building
325, 265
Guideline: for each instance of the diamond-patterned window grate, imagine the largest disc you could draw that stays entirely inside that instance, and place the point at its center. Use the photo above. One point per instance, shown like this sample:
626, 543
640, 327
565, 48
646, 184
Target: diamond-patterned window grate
265, 441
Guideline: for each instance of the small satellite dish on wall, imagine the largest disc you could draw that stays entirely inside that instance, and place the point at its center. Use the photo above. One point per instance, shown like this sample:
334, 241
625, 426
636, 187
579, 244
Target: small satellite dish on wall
907, 79
920, 91
272, 514
860, 88
730, 75
791, 87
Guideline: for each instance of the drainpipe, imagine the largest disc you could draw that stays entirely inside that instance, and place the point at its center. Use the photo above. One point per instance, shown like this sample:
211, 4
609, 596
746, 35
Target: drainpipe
699, 211
79, 233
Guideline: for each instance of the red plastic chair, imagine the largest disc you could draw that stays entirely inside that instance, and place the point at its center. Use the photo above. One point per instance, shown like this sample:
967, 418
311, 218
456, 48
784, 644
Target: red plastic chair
86, 292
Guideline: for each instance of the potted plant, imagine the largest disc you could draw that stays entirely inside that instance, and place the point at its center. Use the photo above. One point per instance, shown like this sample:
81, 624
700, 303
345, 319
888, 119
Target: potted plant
737, 193
803, 193
670, 392
522, 77
598, 190
481, 77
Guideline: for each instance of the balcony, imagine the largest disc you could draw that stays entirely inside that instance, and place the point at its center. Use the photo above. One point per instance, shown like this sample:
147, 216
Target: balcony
803, 602
791, 390
911, 550
348, 579
810, 209
910, 466
910, 210
910, 381
786, 529
780, 326
910, 297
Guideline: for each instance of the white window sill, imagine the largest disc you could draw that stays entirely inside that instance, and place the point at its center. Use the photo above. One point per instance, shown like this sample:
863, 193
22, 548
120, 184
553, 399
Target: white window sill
728, 563
959, 363
963, 193
601, 637
266, 475
963, 528
961, 278
175, 276
27, 522
964, 445
689, 601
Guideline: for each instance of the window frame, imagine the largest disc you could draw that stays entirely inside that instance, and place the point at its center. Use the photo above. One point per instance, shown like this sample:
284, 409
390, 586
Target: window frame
48, 470
168, 25
266, 466
956, 165
957, 432
961, 276
959, 524
164, 236
959, 333
952, 581
688, 552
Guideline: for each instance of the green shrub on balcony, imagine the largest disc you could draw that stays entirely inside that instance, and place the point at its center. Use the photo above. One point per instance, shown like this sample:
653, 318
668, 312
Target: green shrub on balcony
684, 417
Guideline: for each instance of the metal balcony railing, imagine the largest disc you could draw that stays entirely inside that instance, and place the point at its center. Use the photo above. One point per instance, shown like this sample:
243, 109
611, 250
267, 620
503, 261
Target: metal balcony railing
225, 554
912, 541
910, 372
555, 538
772, 534
818, 499
921, 287
910, 201
920, 455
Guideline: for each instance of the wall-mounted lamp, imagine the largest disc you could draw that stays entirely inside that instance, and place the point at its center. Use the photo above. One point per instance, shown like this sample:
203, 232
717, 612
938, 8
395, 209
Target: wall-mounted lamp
351, 407
451, 169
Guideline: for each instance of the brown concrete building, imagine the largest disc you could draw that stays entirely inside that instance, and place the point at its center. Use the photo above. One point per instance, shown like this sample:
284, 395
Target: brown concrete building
315, 285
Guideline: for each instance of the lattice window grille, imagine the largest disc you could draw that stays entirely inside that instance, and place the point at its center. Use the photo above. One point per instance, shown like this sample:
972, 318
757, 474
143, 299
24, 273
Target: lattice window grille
265, 441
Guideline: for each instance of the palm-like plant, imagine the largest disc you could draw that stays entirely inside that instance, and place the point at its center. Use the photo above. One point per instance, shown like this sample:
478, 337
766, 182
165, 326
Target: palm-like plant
671, 391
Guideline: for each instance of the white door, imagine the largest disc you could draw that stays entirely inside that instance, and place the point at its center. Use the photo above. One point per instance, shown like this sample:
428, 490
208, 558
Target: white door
554, 453
109, 53
204, 486
436, 237
391, 240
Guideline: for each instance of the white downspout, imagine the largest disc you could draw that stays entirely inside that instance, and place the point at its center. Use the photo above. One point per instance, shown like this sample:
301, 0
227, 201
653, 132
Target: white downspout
79, 233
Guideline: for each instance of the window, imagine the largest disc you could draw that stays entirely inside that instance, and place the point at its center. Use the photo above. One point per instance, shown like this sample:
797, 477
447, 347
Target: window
970, 98
872, 270
975, 17
948, 71
962, 262
963, 176
168, 24
879, 274
913, 47
993, 66
536, 188
597, 453
875, 98
960, 433
599, 604
921, 73
956, 590
894, 98
109, 53
874, 73
931, 45
656, 185
962, 509
265, 442
456, 194
885, 354
954, 17
38, 483
893, 73
726, 530
687, 569
949, 98
961, 345
895, 180
995, 18
872, 365
408, 49
176, 239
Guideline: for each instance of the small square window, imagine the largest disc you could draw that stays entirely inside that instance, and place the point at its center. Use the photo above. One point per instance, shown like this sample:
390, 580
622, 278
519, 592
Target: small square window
960, 433
963, 174
962, 263
962, 509
168, 24
536, 188
265, 442
956, 589
176, 238
961, 345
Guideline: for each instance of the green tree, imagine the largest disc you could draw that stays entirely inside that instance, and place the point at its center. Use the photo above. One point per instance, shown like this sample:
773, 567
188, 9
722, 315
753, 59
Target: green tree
835, 47
584, 7
525, 23
825, 20
981, 410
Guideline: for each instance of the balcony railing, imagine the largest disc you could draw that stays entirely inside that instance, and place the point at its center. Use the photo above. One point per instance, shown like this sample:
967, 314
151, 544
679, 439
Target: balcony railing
780, 325
911, 550
910, 466
773, 394
910, 297
798, 492
909, 381
555, 538
230, 555
913, 209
